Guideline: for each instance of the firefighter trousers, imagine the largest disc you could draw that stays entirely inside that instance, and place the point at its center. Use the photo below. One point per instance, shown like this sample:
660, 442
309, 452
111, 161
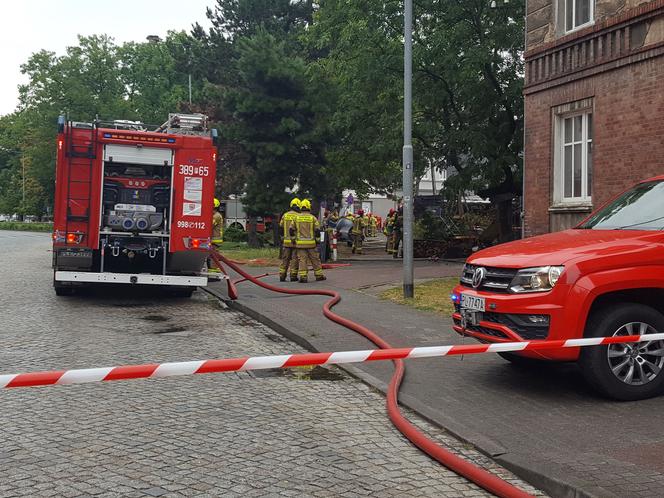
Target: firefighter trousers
357, 243
389, 243
396, 242
212, 267
289, 262
305, 257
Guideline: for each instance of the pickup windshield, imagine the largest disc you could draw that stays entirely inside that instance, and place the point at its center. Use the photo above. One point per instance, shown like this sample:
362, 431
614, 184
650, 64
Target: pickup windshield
641, 208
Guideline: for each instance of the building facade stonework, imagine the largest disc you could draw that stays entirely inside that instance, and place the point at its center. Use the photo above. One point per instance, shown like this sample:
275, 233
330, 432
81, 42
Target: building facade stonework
594, 105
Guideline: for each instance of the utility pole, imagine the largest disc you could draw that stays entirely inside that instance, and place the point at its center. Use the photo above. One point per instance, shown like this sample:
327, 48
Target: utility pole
408, 287
23, 169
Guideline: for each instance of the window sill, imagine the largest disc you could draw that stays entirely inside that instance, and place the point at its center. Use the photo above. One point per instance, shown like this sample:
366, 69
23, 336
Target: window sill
579, 27
578, 207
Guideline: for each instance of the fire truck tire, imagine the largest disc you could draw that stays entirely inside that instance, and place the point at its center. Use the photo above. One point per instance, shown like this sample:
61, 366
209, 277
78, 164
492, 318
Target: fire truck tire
62, 290
626, 372
184, 292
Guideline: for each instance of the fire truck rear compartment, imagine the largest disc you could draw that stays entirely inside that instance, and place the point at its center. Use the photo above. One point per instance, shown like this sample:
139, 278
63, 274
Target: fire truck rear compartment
135, 207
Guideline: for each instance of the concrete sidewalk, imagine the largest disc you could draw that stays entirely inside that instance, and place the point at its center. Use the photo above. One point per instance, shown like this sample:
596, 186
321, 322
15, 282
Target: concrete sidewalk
543, 423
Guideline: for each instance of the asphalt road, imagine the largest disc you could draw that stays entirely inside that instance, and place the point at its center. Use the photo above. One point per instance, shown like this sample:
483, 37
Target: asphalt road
544, 422
272, 433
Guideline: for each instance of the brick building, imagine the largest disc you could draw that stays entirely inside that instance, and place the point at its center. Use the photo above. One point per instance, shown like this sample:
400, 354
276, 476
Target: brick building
594, 105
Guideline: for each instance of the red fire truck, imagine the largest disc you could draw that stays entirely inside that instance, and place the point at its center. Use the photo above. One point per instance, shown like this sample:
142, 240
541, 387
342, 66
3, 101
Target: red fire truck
133, 205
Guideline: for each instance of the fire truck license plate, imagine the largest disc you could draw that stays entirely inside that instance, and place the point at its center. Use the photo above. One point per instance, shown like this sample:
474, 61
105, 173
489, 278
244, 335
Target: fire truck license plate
472, 303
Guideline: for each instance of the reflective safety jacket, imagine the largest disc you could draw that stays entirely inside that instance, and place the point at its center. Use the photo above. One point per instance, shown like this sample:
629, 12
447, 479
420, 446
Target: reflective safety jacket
306, 226
373, 221
358, 225
287, 224
389, 224
217, 228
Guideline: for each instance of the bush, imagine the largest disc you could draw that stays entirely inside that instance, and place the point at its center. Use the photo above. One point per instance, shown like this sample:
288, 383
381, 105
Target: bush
232, 234
26, 227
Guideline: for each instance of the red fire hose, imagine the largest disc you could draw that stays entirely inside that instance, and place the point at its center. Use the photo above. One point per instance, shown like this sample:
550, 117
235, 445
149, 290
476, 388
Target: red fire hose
479, 476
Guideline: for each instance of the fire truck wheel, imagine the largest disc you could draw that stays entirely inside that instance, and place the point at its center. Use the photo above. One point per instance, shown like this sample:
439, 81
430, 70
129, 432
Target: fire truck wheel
625, 372
184, 292
62, 290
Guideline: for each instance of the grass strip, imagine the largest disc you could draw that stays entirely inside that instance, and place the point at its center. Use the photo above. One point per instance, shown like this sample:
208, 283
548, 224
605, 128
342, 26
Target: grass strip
429, 296
26, 227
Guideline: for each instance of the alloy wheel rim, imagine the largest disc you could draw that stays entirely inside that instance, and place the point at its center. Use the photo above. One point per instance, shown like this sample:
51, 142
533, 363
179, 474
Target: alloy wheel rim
639, 363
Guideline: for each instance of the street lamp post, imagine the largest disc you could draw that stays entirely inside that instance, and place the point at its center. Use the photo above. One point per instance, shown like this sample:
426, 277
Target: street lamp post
23, 174
408, 287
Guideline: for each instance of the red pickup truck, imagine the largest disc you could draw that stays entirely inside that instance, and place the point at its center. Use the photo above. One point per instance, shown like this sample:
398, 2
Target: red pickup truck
603, 278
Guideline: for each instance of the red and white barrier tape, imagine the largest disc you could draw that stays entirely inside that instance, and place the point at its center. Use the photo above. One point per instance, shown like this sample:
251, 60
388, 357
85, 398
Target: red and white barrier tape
156, 370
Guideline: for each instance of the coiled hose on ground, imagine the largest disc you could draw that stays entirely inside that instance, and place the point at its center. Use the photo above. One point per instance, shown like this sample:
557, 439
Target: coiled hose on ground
479, 476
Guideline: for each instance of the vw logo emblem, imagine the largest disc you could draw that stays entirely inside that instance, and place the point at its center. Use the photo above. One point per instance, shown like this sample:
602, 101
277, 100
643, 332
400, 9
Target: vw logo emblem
478, 277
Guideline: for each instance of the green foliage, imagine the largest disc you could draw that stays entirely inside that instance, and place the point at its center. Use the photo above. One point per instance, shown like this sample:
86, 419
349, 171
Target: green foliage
430, 227
232, 234
270, 106
467, 85
26, 227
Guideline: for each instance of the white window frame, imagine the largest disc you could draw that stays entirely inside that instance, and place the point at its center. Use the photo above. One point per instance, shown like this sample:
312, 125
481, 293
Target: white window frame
560, 199
572, 4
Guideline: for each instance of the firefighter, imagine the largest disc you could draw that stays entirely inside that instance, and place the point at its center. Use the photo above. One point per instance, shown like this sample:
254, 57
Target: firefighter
288, 248
397, 234
366, 217
388, 231
217, 233
307, 229
359, 232
373, 224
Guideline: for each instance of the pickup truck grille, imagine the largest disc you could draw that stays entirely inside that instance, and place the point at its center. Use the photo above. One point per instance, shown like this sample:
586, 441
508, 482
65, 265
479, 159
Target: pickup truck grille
496, 280
517, 323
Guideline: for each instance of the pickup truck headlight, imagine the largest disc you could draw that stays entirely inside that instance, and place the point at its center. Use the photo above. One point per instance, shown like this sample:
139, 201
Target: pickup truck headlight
539, 279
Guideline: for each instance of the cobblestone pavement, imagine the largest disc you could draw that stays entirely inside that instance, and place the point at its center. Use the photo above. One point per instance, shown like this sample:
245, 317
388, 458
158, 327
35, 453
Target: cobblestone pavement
272, 433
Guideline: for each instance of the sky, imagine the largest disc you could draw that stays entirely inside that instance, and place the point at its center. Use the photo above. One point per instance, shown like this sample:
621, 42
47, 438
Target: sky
31, 25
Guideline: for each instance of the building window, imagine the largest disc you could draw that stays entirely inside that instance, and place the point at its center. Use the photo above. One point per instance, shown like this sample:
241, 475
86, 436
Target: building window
574, 158
578, 13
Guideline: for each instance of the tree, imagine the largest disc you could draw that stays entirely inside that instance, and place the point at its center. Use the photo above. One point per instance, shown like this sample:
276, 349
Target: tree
268, 106
468, 74
275, 124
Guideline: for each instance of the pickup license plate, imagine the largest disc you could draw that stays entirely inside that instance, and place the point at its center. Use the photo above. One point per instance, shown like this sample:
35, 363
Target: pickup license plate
472, 303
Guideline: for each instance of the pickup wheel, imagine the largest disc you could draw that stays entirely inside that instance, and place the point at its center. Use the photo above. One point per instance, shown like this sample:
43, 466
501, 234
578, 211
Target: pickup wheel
625, 372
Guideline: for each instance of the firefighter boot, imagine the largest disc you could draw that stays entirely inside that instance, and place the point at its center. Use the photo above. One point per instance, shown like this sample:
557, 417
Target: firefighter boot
321, 277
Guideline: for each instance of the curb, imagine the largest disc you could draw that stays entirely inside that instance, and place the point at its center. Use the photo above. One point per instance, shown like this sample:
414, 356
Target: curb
521, 467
